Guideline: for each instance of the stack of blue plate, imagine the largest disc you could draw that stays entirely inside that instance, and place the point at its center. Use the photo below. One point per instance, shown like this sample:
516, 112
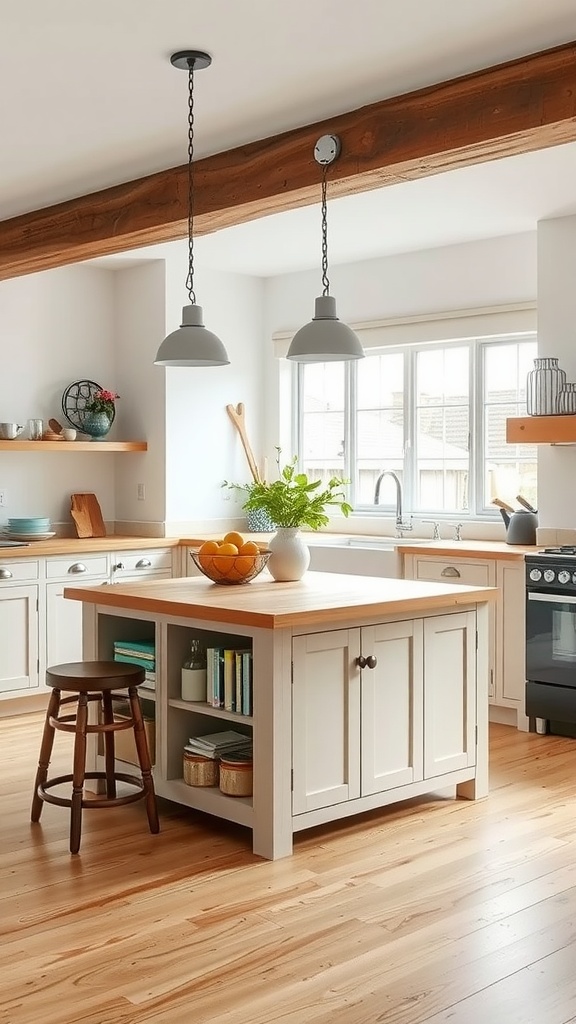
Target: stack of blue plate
30, 528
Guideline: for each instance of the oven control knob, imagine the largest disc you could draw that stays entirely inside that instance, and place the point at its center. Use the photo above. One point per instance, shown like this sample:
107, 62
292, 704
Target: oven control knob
549, 575
563, 576
535, 575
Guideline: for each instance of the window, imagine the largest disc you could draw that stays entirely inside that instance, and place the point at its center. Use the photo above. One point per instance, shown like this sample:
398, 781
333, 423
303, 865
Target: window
434, 414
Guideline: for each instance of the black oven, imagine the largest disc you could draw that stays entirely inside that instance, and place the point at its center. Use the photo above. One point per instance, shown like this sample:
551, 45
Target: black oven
551, 638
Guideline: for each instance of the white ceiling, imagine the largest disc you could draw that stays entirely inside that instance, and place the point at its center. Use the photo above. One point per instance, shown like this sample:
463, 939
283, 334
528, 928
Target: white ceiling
90, 99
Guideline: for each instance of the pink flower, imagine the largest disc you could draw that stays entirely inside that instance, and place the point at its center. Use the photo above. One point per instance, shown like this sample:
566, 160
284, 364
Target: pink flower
102, 401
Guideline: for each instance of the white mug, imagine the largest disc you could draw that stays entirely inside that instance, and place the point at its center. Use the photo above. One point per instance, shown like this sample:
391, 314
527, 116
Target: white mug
8, 431
69, 434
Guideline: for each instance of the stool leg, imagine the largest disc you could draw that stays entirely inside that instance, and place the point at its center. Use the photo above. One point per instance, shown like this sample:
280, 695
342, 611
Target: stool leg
144, 759
78, 770
45, 753
109, 746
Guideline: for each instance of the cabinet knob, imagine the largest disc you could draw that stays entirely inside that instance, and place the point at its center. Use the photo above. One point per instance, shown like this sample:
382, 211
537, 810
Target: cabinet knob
450, 570
119, 565
5, 574
369, 662
143, 563
78, 567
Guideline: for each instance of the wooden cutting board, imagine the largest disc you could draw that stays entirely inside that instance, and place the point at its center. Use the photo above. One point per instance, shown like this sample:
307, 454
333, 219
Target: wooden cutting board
87, 515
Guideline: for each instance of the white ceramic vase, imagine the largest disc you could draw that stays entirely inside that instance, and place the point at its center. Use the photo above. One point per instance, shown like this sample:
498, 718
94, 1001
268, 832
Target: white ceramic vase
290, 556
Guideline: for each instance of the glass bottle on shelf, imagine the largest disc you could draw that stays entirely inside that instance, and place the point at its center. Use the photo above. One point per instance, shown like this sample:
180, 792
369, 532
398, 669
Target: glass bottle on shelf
194, 672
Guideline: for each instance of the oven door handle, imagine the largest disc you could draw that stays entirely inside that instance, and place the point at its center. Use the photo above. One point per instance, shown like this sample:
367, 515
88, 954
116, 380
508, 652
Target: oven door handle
552, 598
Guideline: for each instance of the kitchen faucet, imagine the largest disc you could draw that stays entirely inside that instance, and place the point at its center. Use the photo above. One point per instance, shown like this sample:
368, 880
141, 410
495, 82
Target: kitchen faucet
400, 524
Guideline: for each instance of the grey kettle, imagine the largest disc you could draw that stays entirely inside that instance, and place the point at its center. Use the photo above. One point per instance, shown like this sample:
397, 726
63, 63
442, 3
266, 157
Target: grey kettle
520, 526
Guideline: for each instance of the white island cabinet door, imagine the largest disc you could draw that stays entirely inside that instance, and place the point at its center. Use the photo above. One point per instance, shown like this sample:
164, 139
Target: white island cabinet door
392, 718
18, 638
326, 719
449, 693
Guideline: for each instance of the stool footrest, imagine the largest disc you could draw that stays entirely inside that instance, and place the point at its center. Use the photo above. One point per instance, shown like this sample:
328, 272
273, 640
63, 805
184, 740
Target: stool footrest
93, 801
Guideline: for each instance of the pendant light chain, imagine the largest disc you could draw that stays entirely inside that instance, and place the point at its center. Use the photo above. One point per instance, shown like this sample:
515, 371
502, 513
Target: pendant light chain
190, 278
325, 281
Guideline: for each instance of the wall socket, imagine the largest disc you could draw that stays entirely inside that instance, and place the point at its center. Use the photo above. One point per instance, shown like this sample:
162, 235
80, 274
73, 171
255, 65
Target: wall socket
141, 493
3, 499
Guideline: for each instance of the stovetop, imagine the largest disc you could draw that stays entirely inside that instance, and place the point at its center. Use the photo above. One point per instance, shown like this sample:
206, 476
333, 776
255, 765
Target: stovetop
564, 549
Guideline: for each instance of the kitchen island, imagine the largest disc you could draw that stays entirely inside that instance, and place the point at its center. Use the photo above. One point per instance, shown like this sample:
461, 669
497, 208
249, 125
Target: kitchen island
366, 691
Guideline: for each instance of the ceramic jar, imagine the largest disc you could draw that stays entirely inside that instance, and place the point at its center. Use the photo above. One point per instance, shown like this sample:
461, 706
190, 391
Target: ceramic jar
566, 401
543, 387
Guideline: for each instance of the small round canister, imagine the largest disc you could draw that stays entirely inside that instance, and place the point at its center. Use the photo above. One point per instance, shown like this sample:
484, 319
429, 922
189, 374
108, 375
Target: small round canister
200, 771
236, 775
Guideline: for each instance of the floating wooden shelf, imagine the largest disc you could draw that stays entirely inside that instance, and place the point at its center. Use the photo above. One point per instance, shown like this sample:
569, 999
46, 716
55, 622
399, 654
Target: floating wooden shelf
541, 430
73, 446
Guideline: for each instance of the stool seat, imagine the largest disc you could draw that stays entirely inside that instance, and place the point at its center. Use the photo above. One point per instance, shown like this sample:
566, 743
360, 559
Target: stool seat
94, 683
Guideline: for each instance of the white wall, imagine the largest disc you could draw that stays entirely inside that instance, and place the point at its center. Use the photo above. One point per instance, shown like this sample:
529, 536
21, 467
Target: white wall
140, 321
202, 447
56, 327
557, 337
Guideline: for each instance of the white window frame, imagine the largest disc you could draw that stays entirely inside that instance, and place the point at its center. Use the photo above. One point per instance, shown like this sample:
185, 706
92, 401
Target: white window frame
476, 327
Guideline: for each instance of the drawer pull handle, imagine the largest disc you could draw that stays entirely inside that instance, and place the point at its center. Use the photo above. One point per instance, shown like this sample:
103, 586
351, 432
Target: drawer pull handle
370, 662
119, 565
450, 570
78, 567
144, 563
5, 574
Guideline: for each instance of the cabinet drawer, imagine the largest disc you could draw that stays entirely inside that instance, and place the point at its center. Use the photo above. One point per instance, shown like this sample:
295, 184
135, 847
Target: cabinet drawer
471, 573
80, 566
11, 571
134, 562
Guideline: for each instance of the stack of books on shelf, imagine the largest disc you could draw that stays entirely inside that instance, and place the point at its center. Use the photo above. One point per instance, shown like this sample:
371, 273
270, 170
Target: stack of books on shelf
229, 675
218, 744
138, 652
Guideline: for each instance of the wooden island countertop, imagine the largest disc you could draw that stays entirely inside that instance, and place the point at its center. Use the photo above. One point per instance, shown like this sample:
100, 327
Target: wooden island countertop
316, 599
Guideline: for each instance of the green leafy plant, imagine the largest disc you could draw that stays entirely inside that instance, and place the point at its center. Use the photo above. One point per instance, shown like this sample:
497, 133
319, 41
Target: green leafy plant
293, 500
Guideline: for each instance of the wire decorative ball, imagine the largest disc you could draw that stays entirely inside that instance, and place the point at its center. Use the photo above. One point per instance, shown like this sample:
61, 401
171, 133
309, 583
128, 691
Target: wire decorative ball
230, 569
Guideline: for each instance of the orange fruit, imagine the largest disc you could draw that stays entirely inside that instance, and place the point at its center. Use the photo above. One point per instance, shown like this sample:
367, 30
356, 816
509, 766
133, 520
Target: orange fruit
224, 558
205, 553
234, 538
248, 548
244, 565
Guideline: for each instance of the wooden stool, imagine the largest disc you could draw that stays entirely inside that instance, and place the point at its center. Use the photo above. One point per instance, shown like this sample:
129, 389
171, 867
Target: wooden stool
93, 681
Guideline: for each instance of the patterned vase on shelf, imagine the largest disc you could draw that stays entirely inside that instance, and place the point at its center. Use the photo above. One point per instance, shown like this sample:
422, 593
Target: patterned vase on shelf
290, 555
96, 424
543, 387
566, 401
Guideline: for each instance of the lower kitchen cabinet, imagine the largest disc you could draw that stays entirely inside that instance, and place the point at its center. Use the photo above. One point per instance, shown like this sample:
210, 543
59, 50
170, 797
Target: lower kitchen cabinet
39, 626
374, 709
63, 617
508, 681
19, 626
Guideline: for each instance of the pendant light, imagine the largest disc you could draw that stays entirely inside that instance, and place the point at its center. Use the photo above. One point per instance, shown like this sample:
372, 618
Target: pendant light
192, 344
325, 339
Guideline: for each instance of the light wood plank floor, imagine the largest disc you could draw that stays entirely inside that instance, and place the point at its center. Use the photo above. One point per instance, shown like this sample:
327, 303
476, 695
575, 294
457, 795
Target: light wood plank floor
433, 911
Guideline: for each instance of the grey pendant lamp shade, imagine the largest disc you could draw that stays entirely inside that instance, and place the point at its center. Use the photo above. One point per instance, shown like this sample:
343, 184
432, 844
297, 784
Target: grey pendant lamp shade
191, 344
325, 339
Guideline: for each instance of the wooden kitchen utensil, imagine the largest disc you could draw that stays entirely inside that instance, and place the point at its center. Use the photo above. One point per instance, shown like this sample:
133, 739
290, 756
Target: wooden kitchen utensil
237, 417
502, 504
55, 426
87, 515
525, 504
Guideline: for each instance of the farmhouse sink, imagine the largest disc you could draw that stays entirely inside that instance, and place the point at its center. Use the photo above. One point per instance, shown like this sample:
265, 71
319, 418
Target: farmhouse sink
380, 543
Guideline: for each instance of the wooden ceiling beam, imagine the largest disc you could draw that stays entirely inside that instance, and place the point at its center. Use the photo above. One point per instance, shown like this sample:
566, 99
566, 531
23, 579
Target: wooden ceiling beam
523, 105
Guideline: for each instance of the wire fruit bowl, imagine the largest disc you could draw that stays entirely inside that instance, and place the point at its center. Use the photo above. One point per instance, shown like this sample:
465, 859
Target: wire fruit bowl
230, 569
